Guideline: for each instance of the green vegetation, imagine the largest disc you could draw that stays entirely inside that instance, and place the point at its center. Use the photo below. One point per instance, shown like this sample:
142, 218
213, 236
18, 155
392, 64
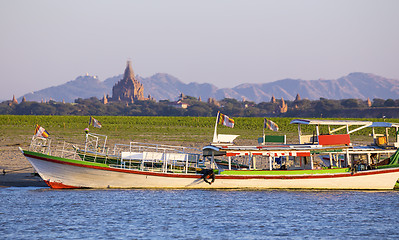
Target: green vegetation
190, 131
285, 172
353, 108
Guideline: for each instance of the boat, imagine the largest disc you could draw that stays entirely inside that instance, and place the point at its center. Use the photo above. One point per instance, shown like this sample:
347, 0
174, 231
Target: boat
267, 166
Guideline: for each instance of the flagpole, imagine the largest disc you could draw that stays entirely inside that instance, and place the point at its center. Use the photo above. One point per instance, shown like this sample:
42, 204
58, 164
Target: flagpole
87, 134
264, 123
215, 137
88, 125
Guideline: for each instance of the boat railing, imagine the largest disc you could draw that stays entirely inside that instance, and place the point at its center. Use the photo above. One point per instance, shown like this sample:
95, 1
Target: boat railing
140, 156
46, 146
156, 159
160, 160
40, 144
69, 151
141, 147
95, 142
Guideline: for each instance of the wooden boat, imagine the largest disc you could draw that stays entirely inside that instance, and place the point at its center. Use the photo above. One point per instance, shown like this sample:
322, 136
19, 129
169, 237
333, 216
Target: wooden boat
163, 166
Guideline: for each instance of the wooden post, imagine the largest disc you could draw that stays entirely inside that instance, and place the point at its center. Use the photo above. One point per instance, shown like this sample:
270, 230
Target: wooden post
347, 158
186, 163
215, 136
396, 135
270, 163
212, 160
368, 158
299, 133
311, 162
387, 135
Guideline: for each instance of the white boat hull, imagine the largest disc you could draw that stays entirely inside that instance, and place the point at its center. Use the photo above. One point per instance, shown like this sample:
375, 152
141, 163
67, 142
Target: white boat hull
59, 174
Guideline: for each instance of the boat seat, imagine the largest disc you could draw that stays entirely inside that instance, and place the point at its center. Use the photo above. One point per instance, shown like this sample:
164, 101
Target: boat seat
281, 139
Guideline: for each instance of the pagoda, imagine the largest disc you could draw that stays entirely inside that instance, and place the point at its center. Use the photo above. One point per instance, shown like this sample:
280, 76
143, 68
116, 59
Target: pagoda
128, 89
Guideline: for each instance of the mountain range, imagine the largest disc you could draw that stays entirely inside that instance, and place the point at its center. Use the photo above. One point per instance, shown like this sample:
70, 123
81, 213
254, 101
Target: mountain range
162, 86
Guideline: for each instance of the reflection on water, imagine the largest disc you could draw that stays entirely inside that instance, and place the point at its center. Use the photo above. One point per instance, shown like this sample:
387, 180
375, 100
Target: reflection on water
196, 214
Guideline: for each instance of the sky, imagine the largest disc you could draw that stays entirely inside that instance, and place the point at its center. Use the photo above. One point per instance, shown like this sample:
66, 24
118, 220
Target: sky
223, 42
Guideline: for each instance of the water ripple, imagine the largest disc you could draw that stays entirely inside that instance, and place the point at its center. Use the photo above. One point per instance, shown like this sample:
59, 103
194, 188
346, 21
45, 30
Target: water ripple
40, 213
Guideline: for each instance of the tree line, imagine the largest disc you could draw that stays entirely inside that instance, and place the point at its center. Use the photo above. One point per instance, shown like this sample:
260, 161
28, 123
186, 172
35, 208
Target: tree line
377, 108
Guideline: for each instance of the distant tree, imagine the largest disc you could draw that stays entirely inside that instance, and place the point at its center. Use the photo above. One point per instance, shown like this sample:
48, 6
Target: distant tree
252, 112
304, 104
232, 107
190, 98
198, 110
352, 103
268, 107
389, 103
378, 102
5, 108
65, 109
327, 105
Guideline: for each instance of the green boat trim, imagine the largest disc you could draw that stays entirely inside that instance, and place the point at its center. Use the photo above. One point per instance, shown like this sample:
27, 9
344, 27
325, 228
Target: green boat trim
285, 172
388, 166
326, 151
97, 158
42, 155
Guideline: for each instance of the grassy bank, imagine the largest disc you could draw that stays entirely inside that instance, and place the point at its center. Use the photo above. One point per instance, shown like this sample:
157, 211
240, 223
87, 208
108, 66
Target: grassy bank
187, 130
148, 129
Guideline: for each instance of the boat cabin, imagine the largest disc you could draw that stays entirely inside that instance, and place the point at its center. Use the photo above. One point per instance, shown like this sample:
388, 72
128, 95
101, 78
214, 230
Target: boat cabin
346, 127
270, 157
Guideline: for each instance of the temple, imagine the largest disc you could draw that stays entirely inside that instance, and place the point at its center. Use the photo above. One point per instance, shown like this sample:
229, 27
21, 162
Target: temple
128, 89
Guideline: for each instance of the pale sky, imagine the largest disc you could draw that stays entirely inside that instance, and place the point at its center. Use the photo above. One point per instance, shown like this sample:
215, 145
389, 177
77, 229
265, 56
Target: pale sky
47, 43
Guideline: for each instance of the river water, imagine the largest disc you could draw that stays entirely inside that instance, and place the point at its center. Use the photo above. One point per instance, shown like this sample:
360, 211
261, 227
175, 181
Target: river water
42, 213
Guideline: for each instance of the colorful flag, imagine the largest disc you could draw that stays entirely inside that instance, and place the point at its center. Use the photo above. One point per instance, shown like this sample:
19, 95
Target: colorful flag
94, 122
270, 125
41, 132
225, 120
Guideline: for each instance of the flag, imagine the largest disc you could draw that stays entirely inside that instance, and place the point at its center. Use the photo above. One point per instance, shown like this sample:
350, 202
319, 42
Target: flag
41, 132
225, 120
94, 122
270, 125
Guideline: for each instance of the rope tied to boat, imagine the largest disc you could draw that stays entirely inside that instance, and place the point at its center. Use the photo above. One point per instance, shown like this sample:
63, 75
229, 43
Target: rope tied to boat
208, 174
16, 170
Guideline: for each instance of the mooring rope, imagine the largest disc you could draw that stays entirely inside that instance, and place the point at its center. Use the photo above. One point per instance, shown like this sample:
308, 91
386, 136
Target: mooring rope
16, 170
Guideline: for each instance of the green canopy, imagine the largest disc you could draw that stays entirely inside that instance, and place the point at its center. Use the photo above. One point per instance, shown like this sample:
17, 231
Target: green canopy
394, 158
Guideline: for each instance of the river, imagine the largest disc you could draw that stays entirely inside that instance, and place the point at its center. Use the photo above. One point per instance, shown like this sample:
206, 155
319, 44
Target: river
42, 213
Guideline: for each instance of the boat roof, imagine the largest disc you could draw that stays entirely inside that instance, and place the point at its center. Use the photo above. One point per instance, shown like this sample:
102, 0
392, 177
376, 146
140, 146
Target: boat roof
343, 123
330, 122
384, 124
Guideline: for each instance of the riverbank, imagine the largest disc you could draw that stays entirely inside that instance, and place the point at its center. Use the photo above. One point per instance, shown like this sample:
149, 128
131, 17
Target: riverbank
15, 170
194, 132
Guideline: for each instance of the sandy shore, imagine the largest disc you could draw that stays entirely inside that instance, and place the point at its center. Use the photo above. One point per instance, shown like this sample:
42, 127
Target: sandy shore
15, 170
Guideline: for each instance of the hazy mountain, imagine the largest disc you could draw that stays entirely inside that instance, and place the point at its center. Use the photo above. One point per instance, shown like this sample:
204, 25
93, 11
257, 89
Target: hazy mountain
81, 87
163, 86
354, 85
